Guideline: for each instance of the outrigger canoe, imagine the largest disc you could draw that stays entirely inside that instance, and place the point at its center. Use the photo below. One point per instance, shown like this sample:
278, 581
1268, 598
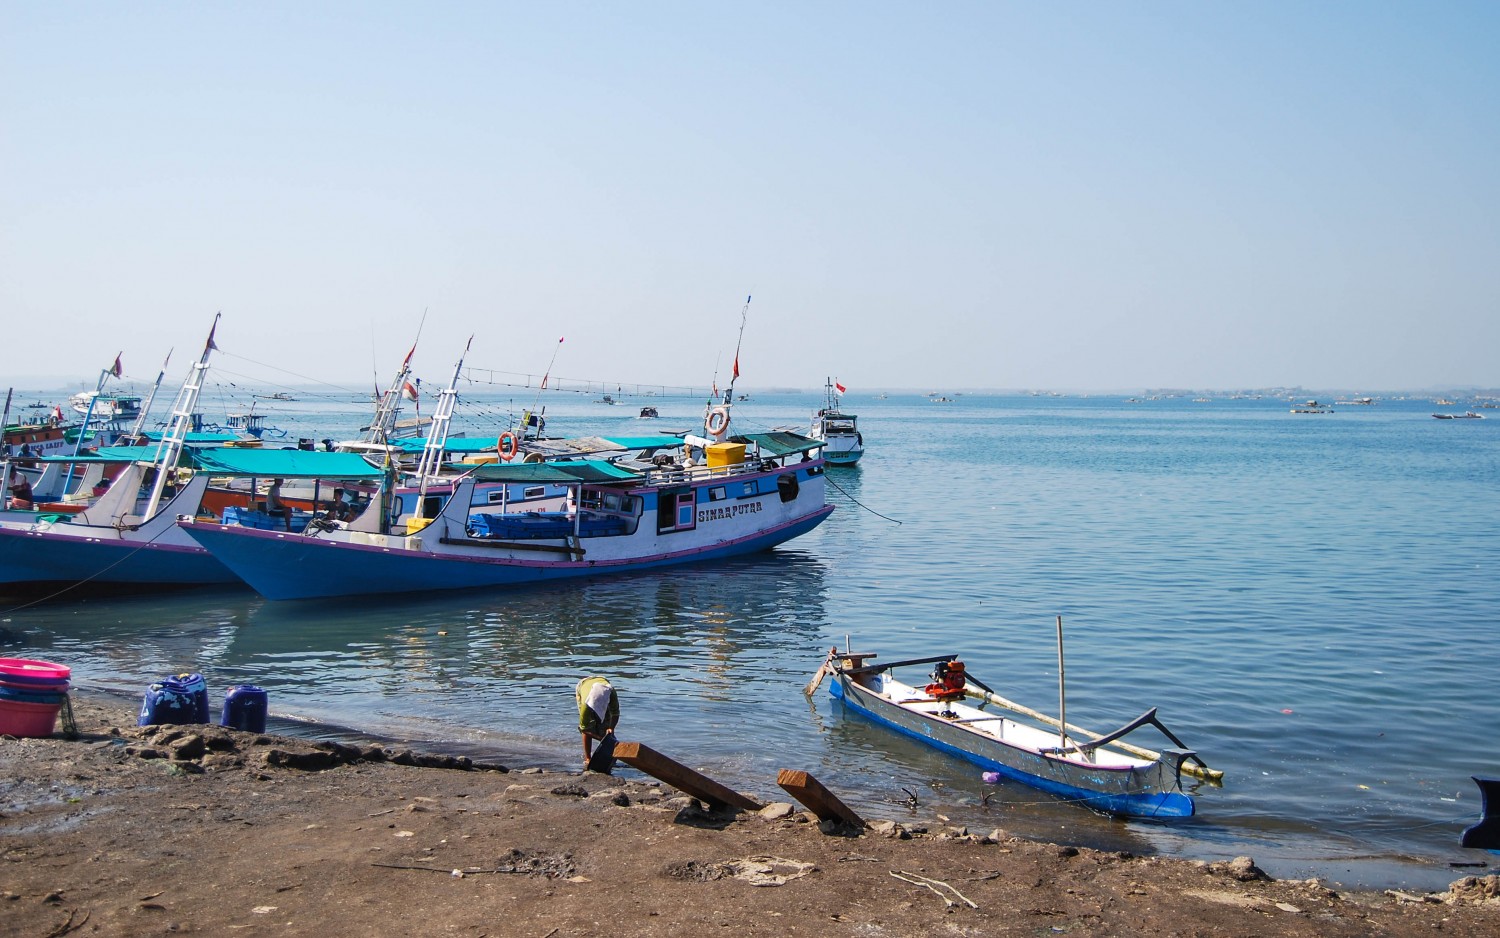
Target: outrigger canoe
987, 734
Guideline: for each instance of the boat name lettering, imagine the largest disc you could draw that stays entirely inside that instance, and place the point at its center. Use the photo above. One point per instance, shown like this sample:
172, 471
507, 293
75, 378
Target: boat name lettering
717, 514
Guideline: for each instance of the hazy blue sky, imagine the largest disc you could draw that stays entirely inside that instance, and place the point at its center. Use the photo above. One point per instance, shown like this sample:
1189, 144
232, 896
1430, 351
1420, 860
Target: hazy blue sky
923, 195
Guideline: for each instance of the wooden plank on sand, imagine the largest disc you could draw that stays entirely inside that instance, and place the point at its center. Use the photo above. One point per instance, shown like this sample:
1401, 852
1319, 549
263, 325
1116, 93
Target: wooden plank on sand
819, 800
648, 760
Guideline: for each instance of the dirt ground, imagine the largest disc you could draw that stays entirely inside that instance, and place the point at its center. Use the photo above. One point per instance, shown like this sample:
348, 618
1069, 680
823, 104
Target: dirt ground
203, 830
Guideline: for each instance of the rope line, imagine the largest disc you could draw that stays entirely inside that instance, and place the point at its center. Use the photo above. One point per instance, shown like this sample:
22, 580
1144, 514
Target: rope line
83, 582
856, 501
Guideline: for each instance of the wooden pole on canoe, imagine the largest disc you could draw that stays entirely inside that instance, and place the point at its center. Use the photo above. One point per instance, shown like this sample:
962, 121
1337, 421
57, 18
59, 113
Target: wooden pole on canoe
1215, 776
1062, 692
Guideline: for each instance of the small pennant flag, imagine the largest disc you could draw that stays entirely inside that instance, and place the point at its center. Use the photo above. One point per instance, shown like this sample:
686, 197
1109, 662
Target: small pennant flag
409, 390
839, 387
406, 362
212, 345
117, 369
736, 364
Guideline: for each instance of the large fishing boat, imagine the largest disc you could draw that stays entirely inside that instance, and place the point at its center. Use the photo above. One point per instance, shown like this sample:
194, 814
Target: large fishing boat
660, 502
843, 444
508, 524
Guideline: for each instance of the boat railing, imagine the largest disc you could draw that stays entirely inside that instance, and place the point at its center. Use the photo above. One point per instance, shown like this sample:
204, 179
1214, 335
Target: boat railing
667, 475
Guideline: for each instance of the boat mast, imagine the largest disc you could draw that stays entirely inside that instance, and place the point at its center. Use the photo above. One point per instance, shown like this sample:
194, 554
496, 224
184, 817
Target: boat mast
5, 450
140, 418
182, 421
437, 434
88, 416
734, 374
379, 430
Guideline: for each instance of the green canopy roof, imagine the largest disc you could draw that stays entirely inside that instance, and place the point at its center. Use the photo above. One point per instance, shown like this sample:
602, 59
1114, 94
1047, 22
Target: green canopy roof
588, 470
283, 463
779, 443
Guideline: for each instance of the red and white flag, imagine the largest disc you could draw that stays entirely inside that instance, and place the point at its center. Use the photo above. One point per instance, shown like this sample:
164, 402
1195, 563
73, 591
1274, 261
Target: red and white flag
409, 390
736, 365
117, 369
839, 387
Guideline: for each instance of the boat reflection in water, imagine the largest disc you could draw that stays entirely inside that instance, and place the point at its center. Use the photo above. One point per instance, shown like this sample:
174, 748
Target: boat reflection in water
692, 650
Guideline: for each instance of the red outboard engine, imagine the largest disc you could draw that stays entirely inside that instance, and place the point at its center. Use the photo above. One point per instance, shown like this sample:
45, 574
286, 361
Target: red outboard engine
947, 680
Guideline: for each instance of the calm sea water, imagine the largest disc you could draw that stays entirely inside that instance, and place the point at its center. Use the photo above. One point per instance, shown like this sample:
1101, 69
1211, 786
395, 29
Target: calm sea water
1310, 600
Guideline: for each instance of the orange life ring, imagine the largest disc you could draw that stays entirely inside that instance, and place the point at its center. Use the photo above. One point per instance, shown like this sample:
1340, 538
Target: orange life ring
508, 445
718, 420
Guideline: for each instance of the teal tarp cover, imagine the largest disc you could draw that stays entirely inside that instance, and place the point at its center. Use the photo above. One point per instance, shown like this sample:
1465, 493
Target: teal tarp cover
588, 470
659, 441
283, 463
778, 444
199, 437
110, 454
457, 444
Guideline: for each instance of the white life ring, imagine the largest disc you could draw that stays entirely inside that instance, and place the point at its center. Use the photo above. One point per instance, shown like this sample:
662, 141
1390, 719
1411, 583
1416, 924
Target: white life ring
507, 445
718, 421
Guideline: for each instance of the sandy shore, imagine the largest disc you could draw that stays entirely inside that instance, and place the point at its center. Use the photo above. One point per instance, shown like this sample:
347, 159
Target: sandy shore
201, 830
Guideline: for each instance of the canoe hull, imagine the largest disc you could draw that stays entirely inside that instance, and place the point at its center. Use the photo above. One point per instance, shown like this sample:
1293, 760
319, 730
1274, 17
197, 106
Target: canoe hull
1149, 790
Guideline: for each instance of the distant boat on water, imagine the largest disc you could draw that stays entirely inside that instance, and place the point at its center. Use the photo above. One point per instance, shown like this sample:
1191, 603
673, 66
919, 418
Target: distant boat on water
1312, 407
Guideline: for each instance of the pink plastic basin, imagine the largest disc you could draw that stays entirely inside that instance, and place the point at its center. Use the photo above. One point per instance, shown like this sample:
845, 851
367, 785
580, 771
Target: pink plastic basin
27, 719
32, 668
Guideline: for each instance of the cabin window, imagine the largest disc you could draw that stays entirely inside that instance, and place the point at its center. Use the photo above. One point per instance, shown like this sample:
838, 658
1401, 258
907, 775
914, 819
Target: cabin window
533, 491
627, 504
752, 487
611, 501
496, 496
590, 499
717, 494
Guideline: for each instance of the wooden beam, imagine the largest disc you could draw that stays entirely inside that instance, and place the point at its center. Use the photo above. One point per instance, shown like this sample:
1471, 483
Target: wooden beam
819, 800
648, 760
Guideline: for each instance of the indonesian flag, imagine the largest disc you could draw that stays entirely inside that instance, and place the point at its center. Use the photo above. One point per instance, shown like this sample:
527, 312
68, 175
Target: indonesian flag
409, 391
736, 365
839, 387
117, 369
